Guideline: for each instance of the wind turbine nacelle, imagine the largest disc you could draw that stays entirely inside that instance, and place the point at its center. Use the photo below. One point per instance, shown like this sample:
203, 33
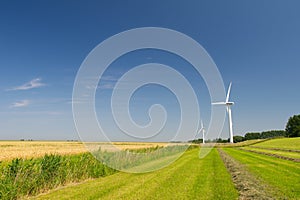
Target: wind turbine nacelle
229, 103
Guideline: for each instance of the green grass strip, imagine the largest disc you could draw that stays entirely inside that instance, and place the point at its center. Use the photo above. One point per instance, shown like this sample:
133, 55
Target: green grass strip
187, 178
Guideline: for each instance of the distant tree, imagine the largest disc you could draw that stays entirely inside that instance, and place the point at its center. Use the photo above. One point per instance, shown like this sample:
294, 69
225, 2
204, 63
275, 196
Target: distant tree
266, 134
196, 141
252, 136
273, 133
293, 126
238, 138
220, 140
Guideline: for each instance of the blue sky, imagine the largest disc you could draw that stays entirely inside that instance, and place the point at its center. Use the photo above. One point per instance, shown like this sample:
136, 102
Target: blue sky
255, 44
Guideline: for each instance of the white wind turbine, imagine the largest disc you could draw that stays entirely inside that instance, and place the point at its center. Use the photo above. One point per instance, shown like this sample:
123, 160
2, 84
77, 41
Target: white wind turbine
202, 129
228, 105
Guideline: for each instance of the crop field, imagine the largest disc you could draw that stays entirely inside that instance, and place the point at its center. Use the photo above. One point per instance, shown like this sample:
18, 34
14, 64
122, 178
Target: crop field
32, 149
263, 169
28, 149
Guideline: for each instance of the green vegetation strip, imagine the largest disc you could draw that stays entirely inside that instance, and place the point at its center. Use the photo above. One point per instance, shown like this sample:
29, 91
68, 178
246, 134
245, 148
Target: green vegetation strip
283, 175
187, 178
24, 177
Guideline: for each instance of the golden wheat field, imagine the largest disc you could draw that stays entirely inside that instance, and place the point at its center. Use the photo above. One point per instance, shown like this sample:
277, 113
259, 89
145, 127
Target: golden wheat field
30, 149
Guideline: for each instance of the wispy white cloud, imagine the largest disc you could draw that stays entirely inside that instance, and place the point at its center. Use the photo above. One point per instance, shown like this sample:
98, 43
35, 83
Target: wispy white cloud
76, 102
33, 112
107, 82
34, 83
109, 78
19, 104
106, 86
91, 87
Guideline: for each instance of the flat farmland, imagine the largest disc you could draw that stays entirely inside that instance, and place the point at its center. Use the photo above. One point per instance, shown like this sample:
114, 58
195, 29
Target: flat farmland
28, 149
32, 149
264, 169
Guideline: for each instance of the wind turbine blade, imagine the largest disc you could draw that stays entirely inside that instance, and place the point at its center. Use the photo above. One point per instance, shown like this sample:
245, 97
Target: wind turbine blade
198, 132
218, 103
202, 124
228, 93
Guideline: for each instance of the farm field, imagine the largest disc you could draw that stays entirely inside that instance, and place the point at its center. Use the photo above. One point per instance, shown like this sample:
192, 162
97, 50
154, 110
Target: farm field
32, 149
245, 171
187, 178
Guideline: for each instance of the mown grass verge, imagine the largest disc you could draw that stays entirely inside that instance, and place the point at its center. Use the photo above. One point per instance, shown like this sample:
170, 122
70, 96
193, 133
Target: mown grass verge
187, 178
25, 177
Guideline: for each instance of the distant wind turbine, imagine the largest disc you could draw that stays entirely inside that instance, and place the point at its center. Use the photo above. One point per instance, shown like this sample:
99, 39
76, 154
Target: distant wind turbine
228, 105
202, 129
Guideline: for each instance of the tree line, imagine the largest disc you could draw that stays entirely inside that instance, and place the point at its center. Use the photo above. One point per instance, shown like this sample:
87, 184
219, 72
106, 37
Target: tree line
258, 135
292, 130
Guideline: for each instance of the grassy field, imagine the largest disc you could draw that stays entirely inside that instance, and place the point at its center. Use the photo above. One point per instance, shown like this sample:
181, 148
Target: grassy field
187, 178
282, 175
281, 143
248, 170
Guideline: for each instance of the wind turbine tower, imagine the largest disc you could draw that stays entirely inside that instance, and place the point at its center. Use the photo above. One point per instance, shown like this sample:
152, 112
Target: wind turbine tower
202, 129
228, 105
